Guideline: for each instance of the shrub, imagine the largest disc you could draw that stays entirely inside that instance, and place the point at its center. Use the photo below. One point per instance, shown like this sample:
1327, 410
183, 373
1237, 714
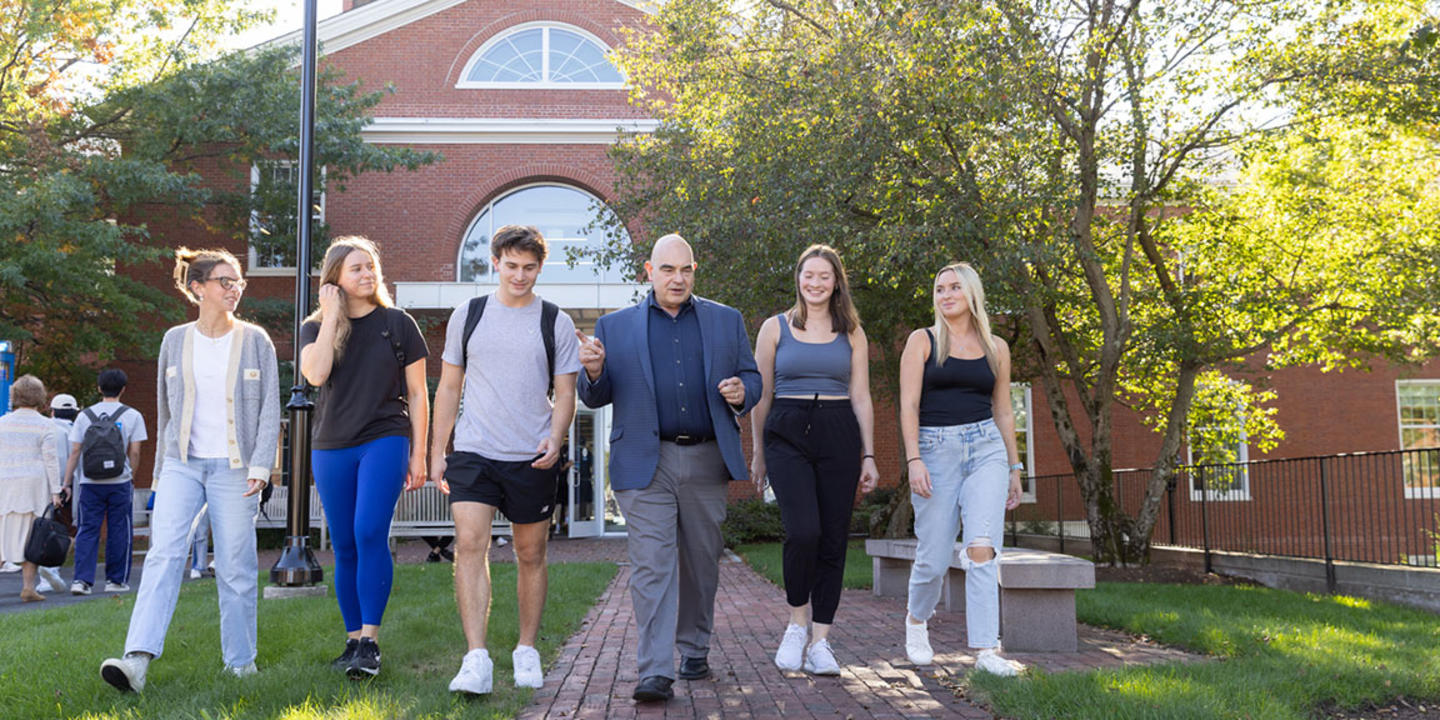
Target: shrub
752, 521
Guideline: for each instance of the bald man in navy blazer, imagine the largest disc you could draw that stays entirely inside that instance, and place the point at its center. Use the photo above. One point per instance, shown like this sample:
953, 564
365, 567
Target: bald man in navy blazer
680, 372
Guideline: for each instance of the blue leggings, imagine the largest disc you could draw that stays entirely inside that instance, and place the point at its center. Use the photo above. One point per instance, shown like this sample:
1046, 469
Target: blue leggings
359, 487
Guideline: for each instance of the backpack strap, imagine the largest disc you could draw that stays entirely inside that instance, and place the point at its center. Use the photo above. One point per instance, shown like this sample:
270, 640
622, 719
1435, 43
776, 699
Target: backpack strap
90, 413
548, 313
392, 331
473, 312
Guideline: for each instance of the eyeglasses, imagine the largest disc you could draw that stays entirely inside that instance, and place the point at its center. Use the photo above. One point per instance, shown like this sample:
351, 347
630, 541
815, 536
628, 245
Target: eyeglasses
226, 283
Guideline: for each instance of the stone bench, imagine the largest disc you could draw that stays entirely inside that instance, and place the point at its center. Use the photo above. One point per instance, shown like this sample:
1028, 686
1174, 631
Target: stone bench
1037, 590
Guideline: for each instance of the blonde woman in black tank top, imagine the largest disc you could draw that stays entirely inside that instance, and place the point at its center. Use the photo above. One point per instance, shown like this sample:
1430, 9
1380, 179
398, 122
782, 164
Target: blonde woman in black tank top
813, 430
959, 434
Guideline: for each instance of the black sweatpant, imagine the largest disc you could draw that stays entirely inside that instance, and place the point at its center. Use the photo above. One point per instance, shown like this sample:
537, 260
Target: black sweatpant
812, 454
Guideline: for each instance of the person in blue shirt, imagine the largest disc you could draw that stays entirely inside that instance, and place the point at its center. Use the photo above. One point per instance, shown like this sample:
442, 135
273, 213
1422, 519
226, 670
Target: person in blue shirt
680, 372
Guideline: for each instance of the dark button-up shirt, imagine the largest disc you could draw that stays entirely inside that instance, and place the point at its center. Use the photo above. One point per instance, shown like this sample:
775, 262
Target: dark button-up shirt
677, 354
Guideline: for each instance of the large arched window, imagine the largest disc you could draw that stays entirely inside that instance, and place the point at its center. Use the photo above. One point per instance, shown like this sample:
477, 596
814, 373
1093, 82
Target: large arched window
541, 55
565, 215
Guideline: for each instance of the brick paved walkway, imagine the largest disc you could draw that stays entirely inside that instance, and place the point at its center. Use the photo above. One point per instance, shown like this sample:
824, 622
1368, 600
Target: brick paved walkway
595, 673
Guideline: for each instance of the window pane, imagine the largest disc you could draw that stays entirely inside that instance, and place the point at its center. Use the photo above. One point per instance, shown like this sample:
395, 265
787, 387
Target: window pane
516, 58
562, 214
475, 252
576, 59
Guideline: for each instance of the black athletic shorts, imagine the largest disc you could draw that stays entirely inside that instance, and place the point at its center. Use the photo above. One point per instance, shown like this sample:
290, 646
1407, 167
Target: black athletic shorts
523, 493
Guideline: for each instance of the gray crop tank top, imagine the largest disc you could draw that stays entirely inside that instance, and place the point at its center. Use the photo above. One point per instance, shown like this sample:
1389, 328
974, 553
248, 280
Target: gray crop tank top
803, 368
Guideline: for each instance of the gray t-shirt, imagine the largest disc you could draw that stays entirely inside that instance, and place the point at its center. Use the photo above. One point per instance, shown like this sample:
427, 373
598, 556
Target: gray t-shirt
132, 426
505, 412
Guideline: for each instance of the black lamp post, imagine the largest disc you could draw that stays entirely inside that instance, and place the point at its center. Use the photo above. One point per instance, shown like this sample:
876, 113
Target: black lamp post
297, 565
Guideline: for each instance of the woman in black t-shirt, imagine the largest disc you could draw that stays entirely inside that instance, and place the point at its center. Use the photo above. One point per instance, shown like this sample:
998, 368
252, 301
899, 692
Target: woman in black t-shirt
369, 432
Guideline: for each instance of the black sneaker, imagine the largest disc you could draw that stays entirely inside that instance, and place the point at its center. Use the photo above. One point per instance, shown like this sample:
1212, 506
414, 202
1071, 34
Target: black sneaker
343, 662
366, 663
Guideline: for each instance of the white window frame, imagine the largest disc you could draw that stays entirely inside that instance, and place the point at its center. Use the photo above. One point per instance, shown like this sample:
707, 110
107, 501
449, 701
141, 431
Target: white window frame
252, 260
1412, 493
1241, 494
465, 83
1028, 496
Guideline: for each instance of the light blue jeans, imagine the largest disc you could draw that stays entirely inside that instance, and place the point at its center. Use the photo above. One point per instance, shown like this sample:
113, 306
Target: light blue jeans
969, 479
184, 489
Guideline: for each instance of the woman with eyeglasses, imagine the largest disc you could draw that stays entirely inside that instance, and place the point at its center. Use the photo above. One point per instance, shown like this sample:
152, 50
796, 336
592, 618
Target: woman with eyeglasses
218, 394
369, 433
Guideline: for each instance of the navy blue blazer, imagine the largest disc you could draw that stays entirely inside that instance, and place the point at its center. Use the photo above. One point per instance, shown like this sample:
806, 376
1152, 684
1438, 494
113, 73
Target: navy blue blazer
628, 381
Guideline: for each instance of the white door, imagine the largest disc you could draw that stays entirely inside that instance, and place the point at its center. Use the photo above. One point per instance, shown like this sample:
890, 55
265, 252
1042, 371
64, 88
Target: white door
589, 436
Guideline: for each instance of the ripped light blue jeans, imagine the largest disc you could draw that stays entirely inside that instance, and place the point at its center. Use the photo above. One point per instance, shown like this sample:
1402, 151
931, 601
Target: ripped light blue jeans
969, 478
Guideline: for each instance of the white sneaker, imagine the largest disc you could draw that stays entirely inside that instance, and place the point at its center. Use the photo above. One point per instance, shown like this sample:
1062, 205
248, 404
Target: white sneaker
43, 586
126, 674
792, 648
991, 662
477, 672
820, 659
51, 577
526, 661
194, 573
917, 643
115, 587
9, 567
243, 671
79, 587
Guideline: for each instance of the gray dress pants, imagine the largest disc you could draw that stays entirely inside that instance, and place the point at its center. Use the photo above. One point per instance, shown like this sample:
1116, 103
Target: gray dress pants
675, 545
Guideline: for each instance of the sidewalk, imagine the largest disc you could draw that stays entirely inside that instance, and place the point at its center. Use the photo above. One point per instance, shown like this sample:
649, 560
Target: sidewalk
595, 673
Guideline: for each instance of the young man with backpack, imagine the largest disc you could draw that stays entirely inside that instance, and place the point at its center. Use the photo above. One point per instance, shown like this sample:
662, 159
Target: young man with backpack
104, 448
508, 352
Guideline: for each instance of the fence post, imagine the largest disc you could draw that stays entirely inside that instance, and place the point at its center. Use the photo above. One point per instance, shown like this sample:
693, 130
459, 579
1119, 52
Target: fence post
1325, 527
1060, 511
1170, 496
1204, 516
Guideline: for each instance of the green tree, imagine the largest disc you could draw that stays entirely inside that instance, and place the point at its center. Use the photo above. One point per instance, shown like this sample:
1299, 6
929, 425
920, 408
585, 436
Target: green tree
108, 112
1077, 152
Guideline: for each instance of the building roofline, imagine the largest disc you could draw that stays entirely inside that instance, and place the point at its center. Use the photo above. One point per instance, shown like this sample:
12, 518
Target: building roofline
353, 27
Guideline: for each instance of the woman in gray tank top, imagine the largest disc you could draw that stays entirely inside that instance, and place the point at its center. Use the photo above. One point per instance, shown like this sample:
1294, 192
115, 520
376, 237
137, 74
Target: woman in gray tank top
813, 431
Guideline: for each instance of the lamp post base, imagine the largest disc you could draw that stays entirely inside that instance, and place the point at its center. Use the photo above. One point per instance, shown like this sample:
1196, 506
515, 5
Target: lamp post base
297, 566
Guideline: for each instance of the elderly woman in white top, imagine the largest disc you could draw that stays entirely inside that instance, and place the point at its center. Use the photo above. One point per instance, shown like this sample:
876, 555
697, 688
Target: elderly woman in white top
219, 422
29, 474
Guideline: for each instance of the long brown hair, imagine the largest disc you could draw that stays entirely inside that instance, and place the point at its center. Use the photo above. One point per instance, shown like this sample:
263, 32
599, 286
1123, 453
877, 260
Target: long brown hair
194, 266
340, 248
843, 318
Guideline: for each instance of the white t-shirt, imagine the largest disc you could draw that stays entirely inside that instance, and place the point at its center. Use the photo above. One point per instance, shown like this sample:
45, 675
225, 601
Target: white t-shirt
208, 437
132, 427
506, 413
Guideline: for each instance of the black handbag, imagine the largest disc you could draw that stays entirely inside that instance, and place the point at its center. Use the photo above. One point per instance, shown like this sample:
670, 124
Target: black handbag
49, 541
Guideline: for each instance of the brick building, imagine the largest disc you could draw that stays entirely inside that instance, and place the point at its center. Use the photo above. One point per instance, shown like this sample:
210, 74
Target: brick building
521, 102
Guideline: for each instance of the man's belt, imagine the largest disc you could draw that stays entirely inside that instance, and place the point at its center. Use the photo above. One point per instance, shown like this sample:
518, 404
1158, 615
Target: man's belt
688, 439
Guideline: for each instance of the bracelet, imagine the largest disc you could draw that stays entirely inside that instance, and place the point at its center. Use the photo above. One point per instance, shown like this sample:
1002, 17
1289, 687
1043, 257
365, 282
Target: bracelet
910, 460
1017, 466
869, 455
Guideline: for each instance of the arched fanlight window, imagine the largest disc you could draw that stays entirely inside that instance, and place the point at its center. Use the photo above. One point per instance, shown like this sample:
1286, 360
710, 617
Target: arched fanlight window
542, 55
565, 215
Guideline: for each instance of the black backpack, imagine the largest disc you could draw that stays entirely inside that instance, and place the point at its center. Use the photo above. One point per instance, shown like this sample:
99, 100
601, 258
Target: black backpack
548, 312
102, 452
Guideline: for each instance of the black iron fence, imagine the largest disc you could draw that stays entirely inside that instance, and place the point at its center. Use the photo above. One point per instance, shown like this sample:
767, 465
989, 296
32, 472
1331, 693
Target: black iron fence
1375, 507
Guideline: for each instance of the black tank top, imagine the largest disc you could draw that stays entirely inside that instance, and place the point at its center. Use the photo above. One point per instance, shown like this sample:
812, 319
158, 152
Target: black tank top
957, 392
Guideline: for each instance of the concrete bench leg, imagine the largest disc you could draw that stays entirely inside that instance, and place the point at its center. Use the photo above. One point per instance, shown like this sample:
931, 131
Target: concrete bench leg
889, 577
952, 594
1038, 620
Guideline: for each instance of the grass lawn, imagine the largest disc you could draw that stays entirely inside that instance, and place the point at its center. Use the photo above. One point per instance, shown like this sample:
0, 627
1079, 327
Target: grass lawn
50, 659
1275, 654
765, 558
1279, 654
